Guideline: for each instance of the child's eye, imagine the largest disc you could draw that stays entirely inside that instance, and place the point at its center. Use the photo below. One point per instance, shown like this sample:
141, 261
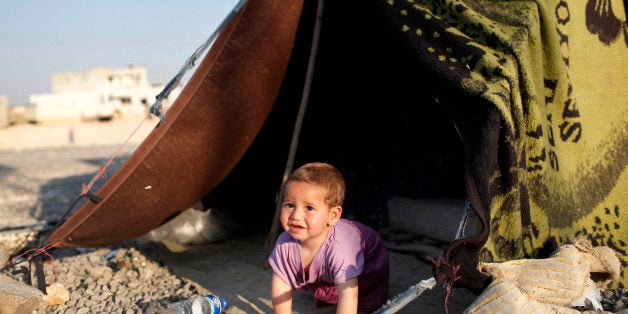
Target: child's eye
309, 208
288, 205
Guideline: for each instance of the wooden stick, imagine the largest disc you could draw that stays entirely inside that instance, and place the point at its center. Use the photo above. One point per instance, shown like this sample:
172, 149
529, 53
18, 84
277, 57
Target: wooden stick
274, 229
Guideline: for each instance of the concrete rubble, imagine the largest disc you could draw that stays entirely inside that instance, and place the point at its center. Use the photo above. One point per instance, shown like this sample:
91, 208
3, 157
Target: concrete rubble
16, 297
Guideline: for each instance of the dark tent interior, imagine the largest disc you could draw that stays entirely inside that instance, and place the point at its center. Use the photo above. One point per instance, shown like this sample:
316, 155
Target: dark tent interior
370, 113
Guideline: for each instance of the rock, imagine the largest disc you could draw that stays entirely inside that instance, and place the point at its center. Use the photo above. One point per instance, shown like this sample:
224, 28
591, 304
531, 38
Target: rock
57, 294
155, 307
17, 297
146, 273
120, 275
11, 242
101, 272
83, 310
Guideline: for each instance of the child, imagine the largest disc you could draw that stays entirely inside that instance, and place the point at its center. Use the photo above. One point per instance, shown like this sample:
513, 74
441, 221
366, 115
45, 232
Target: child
339, 261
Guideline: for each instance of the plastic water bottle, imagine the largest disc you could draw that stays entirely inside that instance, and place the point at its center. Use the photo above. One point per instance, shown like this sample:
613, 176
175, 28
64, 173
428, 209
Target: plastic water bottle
209, 304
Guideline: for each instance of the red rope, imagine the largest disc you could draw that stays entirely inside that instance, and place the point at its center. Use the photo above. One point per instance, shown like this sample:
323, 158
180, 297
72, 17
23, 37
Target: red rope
31, 253
450, 286
54, 268
101, 171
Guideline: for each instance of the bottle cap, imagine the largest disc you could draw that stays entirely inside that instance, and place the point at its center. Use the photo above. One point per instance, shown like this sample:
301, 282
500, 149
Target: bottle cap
225, 303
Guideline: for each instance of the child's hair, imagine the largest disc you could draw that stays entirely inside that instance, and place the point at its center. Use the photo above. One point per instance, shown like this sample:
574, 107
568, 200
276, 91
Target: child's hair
323, 175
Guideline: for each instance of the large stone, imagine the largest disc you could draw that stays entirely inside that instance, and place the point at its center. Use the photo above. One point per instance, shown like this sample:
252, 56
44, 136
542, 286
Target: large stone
16, 297
15, 238
12, 242
56, 294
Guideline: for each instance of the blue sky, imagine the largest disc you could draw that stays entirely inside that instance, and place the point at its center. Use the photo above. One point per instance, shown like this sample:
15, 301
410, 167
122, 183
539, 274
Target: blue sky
40, 37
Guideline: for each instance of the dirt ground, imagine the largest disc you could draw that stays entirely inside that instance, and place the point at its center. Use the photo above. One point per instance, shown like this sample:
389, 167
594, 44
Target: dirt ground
234, 268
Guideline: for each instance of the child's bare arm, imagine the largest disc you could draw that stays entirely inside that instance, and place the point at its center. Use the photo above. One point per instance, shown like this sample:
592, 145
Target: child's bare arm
348, 296
281, 295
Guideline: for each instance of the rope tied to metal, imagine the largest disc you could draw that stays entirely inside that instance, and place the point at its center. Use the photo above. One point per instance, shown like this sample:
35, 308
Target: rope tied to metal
157, 107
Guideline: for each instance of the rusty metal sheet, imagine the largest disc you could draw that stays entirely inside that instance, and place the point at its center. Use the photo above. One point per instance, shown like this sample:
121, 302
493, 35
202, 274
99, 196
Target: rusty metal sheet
206, 131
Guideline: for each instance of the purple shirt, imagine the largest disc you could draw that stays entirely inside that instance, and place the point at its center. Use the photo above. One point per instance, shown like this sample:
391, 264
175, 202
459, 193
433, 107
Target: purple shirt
350, 250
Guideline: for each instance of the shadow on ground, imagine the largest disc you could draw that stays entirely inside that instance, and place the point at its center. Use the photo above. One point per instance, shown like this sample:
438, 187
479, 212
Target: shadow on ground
57, 196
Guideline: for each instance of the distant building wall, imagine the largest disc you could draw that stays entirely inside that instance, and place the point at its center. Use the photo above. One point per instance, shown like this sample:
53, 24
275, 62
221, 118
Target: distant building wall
101, 93
69, 106
4, 110
100, 78
21, 114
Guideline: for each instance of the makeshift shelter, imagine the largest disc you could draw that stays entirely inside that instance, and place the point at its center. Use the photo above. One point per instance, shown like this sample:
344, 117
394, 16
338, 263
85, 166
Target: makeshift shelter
520, 106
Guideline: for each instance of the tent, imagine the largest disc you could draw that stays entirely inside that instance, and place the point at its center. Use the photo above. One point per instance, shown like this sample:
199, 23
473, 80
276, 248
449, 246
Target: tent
519, 106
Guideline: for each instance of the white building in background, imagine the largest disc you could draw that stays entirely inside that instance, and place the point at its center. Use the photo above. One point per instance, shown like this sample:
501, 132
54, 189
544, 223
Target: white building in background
102, 93
4, 110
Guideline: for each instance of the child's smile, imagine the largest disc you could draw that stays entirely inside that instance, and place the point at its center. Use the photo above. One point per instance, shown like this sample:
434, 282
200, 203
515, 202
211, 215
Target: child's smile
304, 214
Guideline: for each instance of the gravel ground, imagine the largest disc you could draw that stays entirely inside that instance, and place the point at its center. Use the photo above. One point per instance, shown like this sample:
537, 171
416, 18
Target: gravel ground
39, 185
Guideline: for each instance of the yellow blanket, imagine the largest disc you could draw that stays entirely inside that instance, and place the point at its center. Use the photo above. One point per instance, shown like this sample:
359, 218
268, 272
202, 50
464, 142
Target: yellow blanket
544, 119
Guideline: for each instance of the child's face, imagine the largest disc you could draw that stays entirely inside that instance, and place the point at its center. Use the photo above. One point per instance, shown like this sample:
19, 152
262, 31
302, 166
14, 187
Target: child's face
304, 213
